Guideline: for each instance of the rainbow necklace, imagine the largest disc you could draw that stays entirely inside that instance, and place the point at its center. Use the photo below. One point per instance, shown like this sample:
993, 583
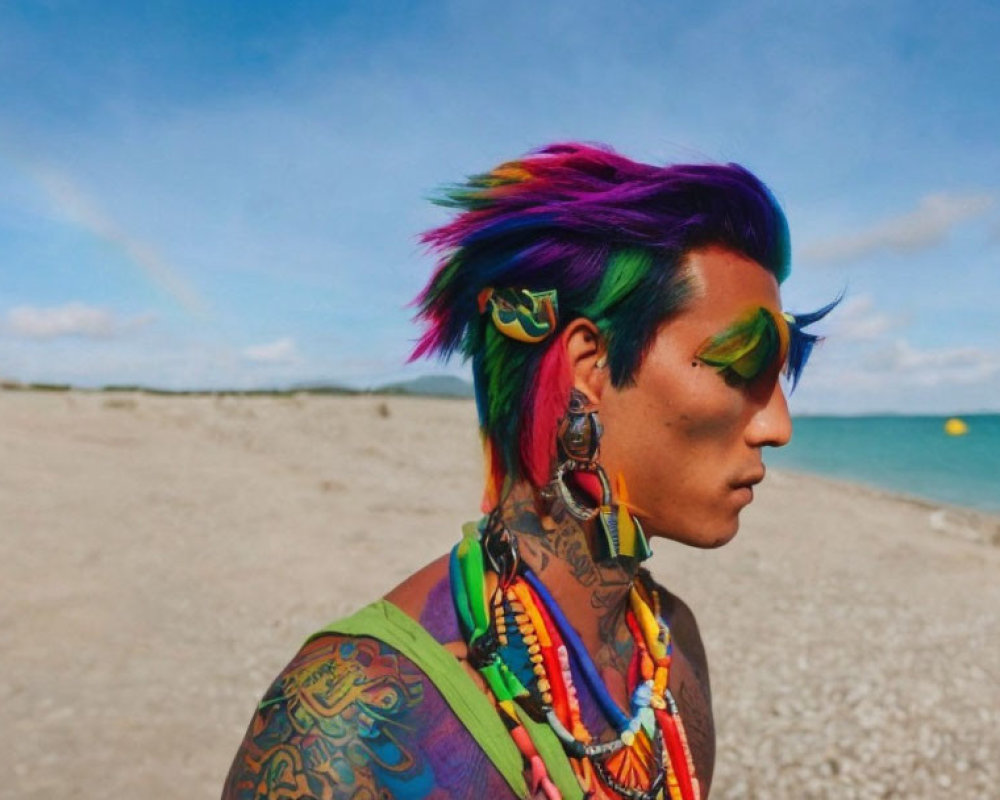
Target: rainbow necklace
528, 653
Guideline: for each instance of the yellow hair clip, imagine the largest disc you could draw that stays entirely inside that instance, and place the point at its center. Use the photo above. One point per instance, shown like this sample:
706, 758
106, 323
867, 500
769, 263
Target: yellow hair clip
521, 314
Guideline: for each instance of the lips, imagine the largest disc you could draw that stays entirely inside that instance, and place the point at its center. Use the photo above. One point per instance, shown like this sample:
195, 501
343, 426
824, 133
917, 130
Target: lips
749, 481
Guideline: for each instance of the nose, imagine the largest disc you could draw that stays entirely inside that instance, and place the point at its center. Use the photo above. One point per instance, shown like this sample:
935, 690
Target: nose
771, 424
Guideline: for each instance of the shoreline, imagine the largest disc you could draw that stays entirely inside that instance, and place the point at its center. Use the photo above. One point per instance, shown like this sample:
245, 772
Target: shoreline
964, 522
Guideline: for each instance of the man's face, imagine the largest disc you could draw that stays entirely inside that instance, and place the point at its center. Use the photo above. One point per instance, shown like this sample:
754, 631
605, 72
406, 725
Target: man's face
687, 440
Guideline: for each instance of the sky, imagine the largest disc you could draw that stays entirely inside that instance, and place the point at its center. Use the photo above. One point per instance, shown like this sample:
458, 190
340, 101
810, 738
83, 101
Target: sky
229, 194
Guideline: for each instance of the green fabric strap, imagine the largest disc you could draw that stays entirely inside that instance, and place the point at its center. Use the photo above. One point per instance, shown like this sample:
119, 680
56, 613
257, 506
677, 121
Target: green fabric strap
384, 621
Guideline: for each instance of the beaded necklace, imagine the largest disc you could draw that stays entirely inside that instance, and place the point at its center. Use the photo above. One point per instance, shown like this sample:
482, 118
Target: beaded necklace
528, 653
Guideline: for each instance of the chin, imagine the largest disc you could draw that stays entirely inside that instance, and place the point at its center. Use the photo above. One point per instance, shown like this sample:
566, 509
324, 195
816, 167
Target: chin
725, 533
724, 538
707, 536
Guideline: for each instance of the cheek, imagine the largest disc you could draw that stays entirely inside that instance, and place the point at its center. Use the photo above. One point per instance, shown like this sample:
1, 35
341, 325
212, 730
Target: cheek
711, 423
712, 412
685, 467
675, 418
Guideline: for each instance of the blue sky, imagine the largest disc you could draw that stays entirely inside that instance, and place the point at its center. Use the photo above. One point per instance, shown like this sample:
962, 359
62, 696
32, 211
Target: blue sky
228, 194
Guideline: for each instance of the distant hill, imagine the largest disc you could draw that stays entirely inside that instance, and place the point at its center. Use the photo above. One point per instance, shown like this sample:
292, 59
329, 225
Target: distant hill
434, 385
322, 388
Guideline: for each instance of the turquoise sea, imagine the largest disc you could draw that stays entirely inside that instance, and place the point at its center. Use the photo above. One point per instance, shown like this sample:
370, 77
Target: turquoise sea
912, 455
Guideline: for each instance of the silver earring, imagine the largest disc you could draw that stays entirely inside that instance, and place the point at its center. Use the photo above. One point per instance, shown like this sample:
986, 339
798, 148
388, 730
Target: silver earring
579, 439
579, 432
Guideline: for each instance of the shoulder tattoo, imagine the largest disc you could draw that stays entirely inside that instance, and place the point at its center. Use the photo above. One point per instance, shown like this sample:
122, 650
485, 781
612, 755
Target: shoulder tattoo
334, 727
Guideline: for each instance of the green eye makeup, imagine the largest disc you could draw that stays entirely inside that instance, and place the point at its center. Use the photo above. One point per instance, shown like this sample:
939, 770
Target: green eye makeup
748, 347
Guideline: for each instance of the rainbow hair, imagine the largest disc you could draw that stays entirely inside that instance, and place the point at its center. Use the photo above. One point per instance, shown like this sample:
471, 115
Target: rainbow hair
609, 235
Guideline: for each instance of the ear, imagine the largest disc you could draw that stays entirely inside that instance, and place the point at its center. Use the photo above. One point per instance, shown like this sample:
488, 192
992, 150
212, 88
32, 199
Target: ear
587, 357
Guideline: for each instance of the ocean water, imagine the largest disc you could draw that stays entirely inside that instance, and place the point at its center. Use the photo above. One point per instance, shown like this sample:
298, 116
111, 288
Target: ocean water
912, 455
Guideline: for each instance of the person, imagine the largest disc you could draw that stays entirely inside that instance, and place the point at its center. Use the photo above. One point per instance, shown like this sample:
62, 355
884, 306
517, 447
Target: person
626, 335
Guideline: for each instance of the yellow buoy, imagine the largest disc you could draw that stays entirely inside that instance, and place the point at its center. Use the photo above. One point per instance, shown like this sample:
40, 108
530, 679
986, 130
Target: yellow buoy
956, 427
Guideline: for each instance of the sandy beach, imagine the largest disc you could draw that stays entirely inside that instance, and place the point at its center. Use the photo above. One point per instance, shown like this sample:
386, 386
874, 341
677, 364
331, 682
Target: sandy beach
165, 556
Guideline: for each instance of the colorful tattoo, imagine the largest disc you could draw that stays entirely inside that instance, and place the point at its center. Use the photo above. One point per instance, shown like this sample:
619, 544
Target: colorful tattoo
335, 726
351, 718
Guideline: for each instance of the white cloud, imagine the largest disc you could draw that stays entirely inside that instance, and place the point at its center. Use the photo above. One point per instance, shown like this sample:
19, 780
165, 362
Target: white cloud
72, 319
899, 376
934, 366
280, 351
856, 319
923, 227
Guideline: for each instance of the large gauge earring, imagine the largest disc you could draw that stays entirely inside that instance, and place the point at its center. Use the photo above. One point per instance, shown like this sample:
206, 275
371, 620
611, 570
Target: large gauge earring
579, 438
580, 477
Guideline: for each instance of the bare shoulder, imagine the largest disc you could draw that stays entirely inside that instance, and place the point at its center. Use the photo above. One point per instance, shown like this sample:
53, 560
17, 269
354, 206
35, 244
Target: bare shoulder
413, 594
335, 724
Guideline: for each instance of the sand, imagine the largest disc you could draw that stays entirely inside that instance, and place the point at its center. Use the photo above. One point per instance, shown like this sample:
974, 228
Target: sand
164, 557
